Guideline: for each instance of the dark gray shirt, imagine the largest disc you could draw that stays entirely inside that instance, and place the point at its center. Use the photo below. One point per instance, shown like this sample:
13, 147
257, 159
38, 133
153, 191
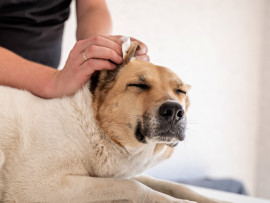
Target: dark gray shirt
33, 28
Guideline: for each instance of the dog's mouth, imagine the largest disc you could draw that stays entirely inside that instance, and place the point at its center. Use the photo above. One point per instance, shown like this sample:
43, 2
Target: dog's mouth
148, 131
138, 133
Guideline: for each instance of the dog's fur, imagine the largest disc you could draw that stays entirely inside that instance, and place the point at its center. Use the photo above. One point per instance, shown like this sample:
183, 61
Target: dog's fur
90, 147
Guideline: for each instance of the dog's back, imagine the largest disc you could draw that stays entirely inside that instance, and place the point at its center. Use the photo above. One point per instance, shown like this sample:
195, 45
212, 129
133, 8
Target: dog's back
33, 137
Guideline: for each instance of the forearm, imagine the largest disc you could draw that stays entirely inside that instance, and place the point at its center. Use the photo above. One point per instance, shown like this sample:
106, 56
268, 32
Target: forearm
92, 20
20, 73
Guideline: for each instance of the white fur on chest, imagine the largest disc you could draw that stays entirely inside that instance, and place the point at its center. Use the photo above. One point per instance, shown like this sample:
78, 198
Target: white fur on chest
128, 164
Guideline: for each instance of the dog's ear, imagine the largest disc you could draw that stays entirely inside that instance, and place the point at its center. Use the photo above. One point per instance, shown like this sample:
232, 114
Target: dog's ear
188, 87
187, 101
94, 81
109, 75
134, 46
105, 77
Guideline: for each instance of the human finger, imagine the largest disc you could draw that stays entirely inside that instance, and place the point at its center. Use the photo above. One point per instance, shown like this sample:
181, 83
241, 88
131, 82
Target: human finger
99, 41
116, 39
100, 52
93, 65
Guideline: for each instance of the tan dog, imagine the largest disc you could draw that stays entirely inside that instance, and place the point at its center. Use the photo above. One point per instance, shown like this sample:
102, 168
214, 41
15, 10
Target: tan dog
90, 147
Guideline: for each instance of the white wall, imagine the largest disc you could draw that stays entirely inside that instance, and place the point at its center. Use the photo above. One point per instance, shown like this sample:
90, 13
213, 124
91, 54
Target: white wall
263, 156
216, 46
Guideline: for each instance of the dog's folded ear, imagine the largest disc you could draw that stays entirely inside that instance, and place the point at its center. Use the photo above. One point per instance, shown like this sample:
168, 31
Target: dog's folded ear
188, 87
111, 74
107, 76
134, 46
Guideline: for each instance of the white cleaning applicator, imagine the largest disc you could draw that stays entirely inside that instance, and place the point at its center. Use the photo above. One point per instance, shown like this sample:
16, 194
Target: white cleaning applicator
125, 45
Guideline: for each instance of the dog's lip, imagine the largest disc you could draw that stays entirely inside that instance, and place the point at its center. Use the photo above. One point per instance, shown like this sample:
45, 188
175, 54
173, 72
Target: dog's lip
138, 133
174, 144
177, 132
180, 136
142, 135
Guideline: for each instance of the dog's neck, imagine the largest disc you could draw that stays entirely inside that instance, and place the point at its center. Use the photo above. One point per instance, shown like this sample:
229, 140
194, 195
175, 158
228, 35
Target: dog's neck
94, 141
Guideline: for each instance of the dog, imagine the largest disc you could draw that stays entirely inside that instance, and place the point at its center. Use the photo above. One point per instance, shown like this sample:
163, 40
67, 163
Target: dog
92, 146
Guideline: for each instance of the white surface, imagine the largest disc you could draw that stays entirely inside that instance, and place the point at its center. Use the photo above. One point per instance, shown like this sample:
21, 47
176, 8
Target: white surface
216, 46
226, 196
263, 156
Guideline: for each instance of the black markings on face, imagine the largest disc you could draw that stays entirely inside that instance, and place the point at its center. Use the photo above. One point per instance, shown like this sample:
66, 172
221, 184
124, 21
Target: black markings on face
142, 78
138, 133
129, 125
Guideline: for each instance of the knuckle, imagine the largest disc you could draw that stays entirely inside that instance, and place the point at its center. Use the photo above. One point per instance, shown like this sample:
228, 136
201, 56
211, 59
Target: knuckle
79, 43
97, 38
72, 53
91, 48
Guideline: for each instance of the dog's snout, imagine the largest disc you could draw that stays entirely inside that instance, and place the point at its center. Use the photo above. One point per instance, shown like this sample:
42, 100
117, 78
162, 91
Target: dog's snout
171, 111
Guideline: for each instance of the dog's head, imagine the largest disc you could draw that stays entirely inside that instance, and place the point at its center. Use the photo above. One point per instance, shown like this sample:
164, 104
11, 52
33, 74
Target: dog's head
140, 103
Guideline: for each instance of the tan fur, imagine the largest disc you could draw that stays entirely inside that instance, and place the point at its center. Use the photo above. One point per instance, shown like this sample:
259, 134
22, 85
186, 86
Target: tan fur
82, 148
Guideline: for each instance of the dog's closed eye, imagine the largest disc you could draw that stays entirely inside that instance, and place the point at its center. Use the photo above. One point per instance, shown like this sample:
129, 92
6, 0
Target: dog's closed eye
142, 86
179, 91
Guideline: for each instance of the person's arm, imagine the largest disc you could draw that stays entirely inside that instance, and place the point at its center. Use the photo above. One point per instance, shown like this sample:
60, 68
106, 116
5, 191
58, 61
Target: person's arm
18, 72
43, 81
102, 52
93, 18
46, 82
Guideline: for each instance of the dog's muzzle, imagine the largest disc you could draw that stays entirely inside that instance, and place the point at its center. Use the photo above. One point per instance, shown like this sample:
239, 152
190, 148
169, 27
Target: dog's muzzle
171, 119
166, 126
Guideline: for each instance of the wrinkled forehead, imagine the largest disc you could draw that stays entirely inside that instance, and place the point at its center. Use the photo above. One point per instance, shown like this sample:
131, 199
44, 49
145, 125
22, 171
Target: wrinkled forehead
142, 71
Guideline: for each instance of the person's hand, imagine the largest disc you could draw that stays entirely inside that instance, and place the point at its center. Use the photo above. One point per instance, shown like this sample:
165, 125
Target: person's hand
88, 56
143, 50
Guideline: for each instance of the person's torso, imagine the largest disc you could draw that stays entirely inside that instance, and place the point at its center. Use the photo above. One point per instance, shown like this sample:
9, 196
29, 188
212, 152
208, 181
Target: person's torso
33, 28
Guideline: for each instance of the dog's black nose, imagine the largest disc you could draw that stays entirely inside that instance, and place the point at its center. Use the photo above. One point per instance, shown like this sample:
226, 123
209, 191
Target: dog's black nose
171, 111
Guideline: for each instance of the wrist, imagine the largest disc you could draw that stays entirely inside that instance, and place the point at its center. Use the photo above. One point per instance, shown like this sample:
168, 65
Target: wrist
49, 89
